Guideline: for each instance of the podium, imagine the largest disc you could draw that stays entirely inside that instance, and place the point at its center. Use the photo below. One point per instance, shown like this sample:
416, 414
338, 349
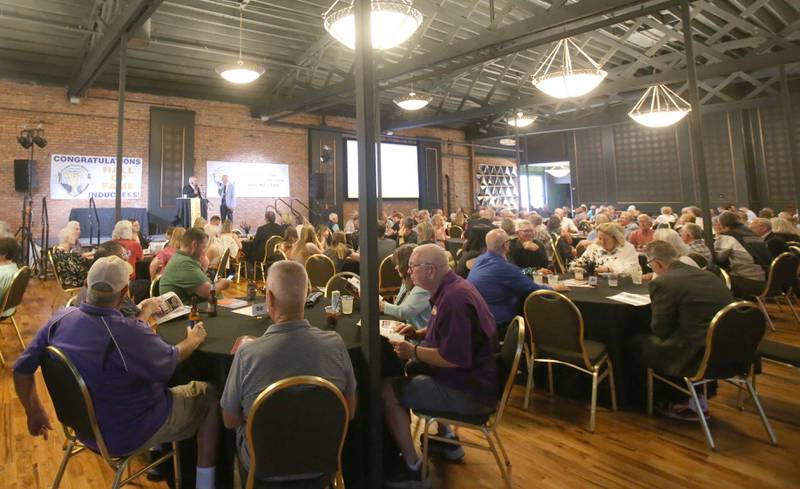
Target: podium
189, 209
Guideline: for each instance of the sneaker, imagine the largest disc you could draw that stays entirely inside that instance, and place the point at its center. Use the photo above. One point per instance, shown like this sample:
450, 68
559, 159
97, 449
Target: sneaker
449, 451
406, 478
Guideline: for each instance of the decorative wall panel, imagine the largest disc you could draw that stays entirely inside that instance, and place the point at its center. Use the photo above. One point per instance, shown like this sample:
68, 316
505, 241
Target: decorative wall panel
590, 173
647, 165
719, 158
775, 156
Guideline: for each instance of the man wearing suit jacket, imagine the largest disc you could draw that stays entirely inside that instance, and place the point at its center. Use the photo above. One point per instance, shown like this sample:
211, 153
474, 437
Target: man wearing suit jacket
192, 189
227, 195
684, 299
268, 230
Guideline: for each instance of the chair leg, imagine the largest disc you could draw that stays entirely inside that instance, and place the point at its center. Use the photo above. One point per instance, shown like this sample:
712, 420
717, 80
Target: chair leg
503, 451
792, 308
506, 476
593, 409
529, 382
699, 411
19, 333
763, 308
2, 360
176, 463
118, 476
650, 391
550, 385
612, 385
425, 455
757, 402
416, 429
63, 467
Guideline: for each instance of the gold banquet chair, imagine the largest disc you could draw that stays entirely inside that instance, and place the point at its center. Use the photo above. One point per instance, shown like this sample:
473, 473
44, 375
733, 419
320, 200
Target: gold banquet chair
270, 252
223, 265
75, 410
557, 336
455, 231
389, 280
340, 282
781, 284
507, 363
320, 269
732, 340
311, 444
12, 300
70, 291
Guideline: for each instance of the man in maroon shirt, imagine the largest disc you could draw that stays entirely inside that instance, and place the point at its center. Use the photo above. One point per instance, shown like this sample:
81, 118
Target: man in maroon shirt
456, 353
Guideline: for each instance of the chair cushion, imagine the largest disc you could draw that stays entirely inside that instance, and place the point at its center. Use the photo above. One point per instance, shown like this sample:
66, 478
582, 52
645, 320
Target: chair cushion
780, 352
595, 350
478, 419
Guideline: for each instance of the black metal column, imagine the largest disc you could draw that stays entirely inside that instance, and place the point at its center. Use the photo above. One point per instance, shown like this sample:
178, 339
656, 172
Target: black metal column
788, 122
366, 129
123, 68
695, 129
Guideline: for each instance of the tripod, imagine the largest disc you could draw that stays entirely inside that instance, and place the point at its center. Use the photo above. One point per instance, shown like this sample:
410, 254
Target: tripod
30, 255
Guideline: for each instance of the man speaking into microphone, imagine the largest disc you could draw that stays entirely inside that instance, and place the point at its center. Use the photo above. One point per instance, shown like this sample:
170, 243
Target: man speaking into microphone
192, 189
227, 195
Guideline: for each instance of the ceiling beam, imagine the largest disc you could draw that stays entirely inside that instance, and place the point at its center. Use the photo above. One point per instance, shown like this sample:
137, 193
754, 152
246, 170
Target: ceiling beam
750, 63
129, 20
493, 42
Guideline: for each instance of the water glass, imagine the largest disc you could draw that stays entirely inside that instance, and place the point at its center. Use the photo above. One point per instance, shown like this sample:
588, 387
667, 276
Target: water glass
537, 277
579, 274
347, 304
613, 280
552, 280
636, 277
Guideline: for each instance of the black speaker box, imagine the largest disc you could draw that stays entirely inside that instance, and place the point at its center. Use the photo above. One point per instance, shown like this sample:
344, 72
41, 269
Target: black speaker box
24, 175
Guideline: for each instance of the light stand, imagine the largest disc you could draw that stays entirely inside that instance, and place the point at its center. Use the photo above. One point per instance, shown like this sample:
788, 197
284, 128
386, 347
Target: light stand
29, 139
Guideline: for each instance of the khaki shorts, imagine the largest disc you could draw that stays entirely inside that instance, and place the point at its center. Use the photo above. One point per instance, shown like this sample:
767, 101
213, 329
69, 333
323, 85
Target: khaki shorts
190, 404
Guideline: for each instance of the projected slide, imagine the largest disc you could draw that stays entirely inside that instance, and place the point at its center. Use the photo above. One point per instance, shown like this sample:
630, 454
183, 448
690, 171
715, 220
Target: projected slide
398, 166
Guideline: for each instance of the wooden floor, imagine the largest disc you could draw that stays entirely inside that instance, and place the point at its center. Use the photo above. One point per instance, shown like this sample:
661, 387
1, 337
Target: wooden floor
548, 444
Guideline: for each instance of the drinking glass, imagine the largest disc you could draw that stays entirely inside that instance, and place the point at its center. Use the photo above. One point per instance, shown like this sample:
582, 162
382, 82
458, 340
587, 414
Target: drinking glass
331, 315
613, 280
347, 304
552, 280
636, 277
579, 274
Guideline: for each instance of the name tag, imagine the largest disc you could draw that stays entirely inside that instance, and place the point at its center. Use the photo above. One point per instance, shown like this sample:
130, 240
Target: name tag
259, 309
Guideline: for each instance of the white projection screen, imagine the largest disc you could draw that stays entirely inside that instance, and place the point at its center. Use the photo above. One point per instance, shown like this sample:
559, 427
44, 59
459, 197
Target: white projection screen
398, 170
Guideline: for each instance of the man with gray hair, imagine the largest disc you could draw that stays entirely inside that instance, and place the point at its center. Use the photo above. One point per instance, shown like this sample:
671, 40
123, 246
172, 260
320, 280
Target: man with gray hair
684, 299
291, 346
456, 352
692, 235
126, 367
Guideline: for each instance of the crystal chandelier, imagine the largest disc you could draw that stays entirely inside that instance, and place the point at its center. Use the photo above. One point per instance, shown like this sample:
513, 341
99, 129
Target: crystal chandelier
521, 120
659, 107
566, 81
412, 101
393, 22
240, 72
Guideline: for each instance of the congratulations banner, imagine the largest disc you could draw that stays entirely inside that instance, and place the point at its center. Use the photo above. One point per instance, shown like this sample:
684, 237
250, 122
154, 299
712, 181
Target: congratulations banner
249, 179
81, 177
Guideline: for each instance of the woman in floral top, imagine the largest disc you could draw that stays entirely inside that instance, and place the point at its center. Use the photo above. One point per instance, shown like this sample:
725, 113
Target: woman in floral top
610, 253
71, 266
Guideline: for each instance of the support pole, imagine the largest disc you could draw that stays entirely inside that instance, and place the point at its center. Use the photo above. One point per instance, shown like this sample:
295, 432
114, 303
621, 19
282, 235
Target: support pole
123, 68
788, 122
366, 129
695, 129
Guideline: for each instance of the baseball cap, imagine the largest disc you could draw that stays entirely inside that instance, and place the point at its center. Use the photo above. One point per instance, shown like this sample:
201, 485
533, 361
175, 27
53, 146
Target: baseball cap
110, 270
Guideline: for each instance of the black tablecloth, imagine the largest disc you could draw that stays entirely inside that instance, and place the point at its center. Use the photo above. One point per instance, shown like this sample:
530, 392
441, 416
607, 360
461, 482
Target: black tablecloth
212, 361
611, 323
107, 218
184, 212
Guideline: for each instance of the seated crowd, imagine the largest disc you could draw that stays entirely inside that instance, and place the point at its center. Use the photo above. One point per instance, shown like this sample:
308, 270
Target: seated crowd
459, 292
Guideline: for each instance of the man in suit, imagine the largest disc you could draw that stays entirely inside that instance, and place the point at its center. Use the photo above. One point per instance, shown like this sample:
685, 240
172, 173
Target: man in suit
684, 299
192, 189
268, 230
227, 195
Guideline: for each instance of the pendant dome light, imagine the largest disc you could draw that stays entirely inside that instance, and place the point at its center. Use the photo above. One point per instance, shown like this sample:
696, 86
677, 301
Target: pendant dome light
659, 107
564, 81
413, 101
241, 72
392, 21
521, 120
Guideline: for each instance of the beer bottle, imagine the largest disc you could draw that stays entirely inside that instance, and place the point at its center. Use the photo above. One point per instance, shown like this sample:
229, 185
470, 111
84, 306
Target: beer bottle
194, 315
212, 302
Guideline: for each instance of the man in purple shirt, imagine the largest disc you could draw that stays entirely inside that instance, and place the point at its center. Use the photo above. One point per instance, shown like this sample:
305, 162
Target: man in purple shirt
126, 367
456, 352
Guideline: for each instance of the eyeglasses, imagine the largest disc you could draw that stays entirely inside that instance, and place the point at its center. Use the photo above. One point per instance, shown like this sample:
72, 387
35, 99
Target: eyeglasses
412, 266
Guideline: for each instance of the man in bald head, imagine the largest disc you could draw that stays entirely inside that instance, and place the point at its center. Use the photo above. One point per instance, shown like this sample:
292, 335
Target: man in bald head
456, 354
502, 284
291, 346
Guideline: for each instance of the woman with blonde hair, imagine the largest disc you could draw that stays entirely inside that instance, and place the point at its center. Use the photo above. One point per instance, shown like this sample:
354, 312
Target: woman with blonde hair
306, 245
340, 252
167, 252
290, 237
199, 223
230, 240
610, 252
783, 232
439, 231
412, 303
323, 236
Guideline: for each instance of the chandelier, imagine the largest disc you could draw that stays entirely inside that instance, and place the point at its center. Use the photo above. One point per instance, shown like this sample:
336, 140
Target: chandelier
659, 107
566, 81
508, 142
558, 171
521, 120
413, 101
240, 72
392, 21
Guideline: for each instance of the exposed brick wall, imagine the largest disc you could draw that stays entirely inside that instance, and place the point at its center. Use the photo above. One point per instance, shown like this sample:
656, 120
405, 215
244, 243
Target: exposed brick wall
223, 132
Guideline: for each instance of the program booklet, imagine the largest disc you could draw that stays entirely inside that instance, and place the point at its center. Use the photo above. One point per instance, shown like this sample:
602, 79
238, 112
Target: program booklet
171, 308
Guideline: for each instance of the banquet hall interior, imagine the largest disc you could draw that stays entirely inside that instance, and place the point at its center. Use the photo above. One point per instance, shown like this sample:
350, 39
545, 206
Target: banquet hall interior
399, 243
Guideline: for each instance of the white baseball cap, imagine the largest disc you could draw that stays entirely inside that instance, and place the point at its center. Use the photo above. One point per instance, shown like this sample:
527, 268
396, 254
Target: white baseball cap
110, 270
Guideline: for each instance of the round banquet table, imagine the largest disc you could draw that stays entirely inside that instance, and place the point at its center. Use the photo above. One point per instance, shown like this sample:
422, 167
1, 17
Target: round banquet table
611, 323
211, 362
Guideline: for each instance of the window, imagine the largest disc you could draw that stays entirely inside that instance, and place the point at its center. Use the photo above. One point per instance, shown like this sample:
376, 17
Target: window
535, 183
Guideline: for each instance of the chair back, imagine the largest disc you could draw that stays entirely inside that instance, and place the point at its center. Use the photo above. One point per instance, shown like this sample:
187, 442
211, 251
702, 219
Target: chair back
154, 290
726, 277
269, 247
782, 277
72, 302
224, 264
699, 259
340, 282
16, 290
55, 268
455, 231
557, 261
71, 400
389, 280
555, 322
508, 359
732, 340
795, 249
296, 426
320, 269
280, 255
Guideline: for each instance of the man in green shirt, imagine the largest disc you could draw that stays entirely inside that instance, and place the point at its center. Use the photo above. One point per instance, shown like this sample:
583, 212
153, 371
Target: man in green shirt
184, 275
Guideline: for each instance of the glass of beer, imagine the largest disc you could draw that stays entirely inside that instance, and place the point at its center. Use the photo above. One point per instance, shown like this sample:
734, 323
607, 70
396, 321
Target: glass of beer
347, 304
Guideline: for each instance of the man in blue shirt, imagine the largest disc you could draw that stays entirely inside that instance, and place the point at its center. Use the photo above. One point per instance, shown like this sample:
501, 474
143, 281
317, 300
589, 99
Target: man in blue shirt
502, 284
